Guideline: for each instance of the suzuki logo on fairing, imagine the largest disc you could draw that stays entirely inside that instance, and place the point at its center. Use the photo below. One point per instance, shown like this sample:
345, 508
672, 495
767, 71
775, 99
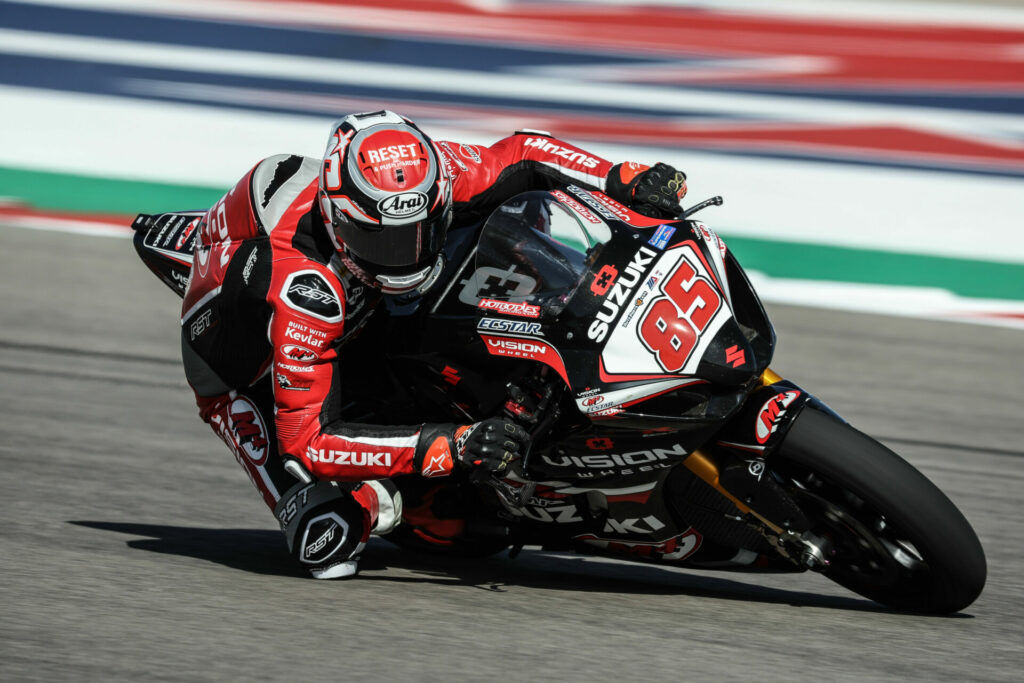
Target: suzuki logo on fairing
645, 525
772, 410
402, 205
560, 514
620, 292
735, 356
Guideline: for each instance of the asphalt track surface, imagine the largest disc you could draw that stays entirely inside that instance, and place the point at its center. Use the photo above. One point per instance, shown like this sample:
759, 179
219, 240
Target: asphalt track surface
134, 548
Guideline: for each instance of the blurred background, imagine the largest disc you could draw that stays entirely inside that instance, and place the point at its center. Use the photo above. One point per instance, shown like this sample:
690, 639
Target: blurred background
871, 154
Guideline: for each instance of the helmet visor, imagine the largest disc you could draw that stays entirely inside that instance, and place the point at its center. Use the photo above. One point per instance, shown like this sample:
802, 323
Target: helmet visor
391, 246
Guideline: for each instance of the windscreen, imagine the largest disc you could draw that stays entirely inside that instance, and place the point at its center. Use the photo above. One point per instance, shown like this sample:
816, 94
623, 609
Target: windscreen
519, 258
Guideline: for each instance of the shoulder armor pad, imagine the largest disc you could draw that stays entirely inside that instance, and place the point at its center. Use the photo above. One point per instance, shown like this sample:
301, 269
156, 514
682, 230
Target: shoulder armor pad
309, 292
276, 182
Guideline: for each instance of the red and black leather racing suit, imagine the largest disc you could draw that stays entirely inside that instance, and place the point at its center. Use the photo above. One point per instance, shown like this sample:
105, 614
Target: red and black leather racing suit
269, 309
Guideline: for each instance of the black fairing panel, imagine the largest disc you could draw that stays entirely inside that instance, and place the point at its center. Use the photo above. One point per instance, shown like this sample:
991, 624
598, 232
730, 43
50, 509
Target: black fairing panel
436, 359
750, 314
165, 243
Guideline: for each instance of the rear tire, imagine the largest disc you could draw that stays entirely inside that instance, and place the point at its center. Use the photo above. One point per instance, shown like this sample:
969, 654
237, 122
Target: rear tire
897, 539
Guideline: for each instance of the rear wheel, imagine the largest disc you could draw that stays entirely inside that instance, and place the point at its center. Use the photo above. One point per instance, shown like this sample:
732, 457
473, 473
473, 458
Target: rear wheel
894, 537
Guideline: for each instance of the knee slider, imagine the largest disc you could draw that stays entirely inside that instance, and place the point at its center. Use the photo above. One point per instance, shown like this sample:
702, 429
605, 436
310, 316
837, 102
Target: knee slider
322, 523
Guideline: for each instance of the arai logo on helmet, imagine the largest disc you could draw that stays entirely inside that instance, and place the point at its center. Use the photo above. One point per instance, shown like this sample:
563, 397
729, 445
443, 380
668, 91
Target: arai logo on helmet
402, 205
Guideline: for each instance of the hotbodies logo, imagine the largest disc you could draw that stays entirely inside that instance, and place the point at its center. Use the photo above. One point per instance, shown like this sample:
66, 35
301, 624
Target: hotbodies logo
509, 308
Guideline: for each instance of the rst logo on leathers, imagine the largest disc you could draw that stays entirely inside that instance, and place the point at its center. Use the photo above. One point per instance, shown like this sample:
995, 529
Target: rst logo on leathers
323, 537
309, 292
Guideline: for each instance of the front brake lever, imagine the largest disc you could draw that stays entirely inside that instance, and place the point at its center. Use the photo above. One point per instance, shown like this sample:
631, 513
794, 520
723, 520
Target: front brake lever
714, 201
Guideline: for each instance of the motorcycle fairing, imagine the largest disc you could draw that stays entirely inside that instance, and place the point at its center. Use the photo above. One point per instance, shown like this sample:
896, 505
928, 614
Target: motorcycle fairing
165, 243
618, 511
640, 316
647, 341
764, 420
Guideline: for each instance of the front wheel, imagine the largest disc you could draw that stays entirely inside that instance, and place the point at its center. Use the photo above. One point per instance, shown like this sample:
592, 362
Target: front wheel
894, 536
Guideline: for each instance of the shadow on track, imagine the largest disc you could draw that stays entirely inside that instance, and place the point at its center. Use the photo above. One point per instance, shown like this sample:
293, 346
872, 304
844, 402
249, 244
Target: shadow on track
253, 550
262, 552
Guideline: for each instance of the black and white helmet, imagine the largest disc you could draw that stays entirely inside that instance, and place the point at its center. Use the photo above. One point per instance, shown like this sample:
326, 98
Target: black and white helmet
386, 200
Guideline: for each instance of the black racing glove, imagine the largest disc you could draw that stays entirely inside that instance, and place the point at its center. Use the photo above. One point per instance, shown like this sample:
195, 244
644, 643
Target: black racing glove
653, 191
485, 447
489, 446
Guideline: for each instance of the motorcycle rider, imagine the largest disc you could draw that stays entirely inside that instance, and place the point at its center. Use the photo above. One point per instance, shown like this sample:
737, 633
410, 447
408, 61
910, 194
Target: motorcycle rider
291, 264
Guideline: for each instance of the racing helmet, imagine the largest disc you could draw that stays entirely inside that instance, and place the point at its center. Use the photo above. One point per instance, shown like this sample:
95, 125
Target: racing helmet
386, 201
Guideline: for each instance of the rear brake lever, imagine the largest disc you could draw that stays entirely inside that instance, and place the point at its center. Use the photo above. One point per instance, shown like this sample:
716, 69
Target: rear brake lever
514, 496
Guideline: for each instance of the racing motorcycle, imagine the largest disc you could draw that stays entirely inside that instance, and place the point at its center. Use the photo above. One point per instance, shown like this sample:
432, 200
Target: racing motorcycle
636, 353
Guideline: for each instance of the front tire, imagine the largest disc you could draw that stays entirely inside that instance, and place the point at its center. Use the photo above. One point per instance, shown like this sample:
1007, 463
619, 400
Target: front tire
896, 538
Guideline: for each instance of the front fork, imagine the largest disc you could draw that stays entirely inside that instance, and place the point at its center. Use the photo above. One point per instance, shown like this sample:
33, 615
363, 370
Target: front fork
734, 465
